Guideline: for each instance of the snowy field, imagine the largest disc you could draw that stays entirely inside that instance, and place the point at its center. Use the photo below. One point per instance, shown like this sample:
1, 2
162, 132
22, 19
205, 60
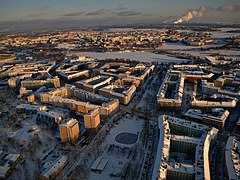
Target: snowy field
223, 33
116, 158
234, 54
181, 46
128, 124
178, 45
119, 29
131, 29
140, 56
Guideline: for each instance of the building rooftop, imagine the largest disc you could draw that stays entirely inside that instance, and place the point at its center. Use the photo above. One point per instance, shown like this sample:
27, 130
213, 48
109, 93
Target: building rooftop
214, 114
187, 132
52, 167
232, 157
69, 122
171, 88
54, 114
7, 162
31, 107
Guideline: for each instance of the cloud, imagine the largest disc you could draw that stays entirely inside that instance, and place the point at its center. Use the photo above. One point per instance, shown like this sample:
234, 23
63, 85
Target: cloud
115, 18
33, 15
127, 13
147, 14
44, 7
73, 14
121, 7
97, 12
231, 7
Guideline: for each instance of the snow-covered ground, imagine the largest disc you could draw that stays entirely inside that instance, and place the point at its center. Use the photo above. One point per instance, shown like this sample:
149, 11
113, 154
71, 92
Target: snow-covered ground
223, 33
234, 54
129, 124
181, 46
141, 56
148, 98
132, 29
31, 141
119, 29
178, 45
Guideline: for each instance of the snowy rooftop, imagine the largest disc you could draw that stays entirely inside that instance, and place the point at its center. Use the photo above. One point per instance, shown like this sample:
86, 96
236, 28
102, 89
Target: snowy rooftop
185, 123
201, 168
219, 114
31, 107
172, 83
54, 114
7, 162
51, 167
232, 157
69, 122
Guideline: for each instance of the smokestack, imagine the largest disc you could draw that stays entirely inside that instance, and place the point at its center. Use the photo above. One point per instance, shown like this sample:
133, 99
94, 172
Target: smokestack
191, 14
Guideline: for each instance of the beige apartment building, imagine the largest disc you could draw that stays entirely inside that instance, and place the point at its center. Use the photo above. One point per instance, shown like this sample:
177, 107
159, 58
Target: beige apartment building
69, 131
92, 119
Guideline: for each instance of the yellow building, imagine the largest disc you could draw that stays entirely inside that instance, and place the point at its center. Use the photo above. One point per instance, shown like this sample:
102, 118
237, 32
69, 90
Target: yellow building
92, 119
31, 98
69, 131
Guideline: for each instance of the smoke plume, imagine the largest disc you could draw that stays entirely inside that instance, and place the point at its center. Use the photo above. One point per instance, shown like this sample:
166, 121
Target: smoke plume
191, 14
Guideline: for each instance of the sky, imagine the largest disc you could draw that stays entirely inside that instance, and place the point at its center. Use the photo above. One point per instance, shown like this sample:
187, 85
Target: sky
47, 13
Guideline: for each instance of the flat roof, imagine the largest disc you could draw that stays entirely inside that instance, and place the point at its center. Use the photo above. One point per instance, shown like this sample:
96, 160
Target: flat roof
54, 166
6, 163
69, 122
201, 168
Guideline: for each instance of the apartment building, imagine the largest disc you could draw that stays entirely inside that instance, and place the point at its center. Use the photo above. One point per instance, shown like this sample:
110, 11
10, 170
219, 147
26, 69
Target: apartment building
69, 131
